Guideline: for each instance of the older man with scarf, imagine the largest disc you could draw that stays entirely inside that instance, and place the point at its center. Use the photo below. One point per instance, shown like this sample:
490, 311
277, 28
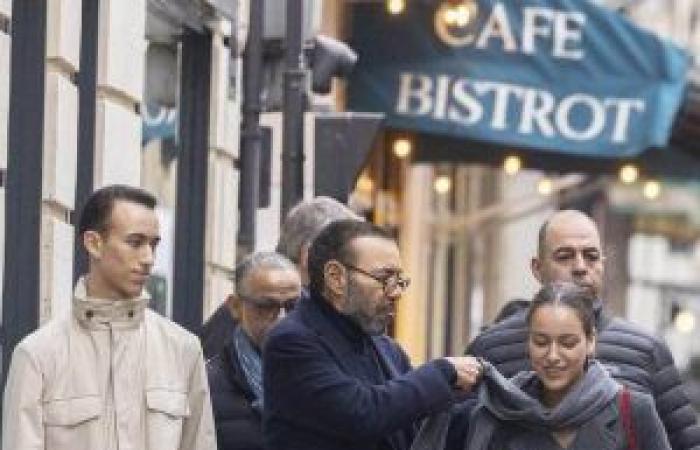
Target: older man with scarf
267, 285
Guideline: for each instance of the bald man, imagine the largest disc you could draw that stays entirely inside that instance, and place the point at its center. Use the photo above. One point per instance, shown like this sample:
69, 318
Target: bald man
569, 249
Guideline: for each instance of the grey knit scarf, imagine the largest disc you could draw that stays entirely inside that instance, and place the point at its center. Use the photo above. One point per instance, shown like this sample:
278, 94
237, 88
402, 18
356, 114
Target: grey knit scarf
508, 400
501, 399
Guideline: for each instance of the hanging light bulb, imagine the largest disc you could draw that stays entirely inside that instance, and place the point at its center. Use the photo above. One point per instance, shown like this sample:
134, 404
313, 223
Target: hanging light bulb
512, 165
652, 190
545, 186
629, 173
402, 148
685, 321
458, 14
442, 184
395, 7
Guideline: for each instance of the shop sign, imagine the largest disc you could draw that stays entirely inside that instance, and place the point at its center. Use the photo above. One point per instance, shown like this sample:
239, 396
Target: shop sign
558, 75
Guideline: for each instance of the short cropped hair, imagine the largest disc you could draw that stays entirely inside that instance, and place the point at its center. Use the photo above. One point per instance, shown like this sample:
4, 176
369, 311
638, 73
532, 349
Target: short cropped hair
97, 212
258, 261
306, 220
332, 244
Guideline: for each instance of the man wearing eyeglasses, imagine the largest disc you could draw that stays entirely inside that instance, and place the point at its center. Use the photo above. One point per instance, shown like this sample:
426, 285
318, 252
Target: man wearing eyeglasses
267, 288
333, 379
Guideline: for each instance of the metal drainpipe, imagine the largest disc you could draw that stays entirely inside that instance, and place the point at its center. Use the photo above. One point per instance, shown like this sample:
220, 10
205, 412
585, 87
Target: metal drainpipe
293, 120
251, 134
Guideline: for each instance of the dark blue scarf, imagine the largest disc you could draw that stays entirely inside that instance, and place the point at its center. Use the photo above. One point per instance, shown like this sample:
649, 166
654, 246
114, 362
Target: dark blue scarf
251, 363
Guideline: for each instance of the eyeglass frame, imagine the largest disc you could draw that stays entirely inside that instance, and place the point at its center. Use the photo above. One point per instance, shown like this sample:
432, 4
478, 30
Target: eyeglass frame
401, 282
266, 304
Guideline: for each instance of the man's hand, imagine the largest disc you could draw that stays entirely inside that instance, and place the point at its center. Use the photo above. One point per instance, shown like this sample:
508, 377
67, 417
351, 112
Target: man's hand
469, 371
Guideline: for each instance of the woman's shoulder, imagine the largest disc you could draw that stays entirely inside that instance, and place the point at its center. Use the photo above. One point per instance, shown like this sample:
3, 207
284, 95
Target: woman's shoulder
643, 407
641, 401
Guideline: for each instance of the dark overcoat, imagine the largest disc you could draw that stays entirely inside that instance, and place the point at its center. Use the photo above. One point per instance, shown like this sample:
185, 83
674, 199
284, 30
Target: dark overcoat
238, 425
317, 393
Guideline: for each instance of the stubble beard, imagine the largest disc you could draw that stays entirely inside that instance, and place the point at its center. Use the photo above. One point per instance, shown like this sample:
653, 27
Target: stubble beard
370, 324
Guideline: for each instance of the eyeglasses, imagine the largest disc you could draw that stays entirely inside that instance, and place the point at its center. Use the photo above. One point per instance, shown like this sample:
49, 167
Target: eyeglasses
272, 306
390, 283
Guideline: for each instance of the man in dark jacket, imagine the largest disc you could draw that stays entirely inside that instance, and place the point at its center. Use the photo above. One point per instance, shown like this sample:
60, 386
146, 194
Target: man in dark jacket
267, 286
301, 225
569, 249
332, 379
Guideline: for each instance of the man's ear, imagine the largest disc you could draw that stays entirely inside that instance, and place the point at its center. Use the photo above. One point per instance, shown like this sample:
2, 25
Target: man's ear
234, 305
92, 241
335, 278
536, 268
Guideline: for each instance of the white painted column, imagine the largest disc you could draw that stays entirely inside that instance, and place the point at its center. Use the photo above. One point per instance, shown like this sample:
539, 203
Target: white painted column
222, 190
411, 324
120, 79
60, 155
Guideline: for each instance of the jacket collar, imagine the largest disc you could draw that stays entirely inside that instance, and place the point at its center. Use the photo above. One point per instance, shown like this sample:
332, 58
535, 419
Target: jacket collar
342, 337
100, 314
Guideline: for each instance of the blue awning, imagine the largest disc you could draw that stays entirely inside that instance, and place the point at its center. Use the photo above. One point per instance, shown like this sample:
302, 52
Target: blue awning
564, 77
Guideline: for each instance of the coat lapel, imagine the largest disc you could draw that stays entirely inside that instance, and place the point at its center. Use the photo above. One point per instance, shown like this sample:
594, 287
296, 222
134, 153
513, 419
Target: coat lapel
341, 349
338, 345
385, 357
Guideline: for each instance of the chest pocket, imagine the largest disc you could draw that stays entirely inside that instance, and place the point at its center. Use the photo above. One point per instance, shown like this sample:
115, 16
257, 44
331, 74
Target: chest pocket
72, 423
166, 414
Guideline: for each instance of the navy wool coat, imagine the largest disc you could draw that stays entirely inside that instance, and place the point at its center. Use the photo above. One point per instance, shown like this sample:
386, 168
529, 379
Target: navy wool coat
317, 393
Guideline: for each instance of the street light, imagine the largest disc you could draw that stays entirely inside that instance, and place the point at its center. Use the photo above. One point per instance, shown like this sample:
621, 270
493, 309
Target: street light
329, 58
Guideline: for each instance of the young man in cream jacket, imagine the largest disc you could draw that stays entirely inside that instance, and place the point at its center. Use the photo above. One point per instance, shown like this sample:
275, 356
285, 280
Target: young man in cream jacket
111, 374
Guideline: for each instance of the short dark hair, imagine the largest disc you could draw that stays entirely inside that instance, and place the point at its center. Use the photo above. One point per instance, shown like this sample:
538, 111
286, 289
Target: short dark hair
332, 244
571, 295
97, 211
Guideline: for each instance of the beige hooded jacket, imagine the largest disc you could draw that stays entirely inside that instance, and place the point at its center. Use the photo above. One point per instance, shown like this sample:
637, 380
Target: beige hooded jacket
113, 375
